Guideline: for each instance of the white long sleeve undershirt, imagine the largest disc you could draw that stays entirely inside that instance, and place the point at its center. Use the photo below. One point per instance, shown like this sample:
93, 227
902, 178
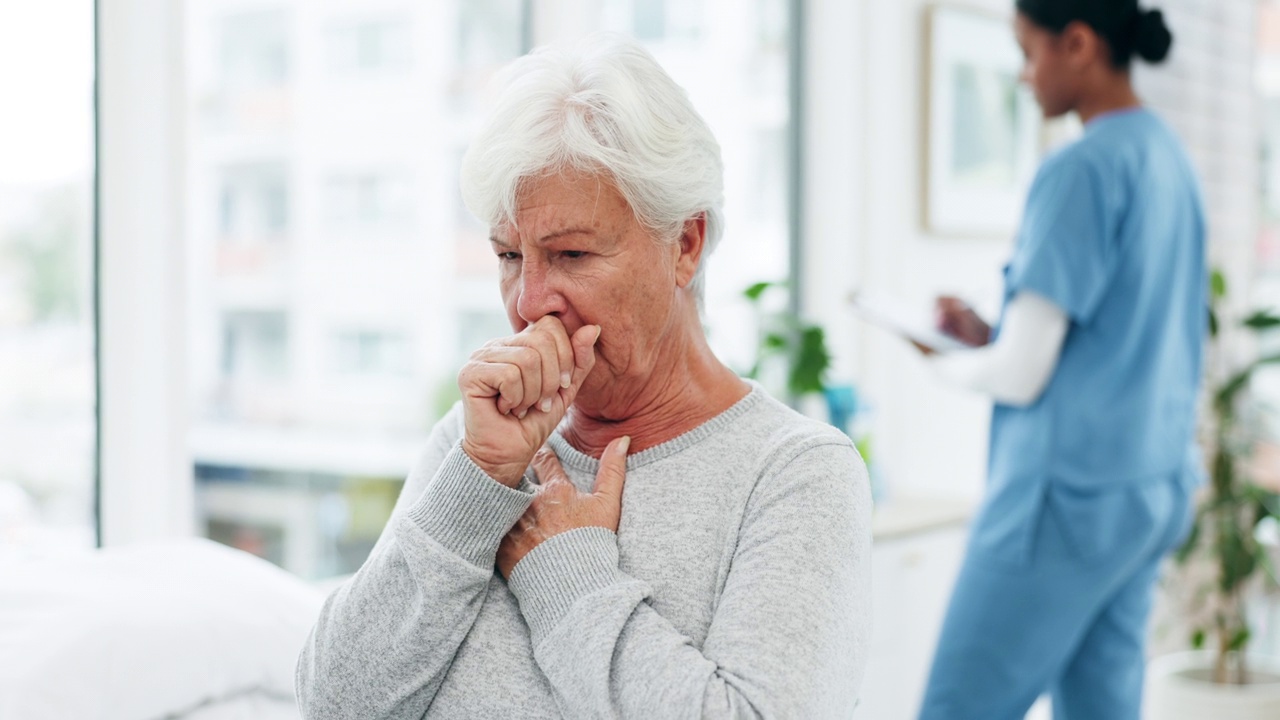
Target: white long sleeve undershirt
1016, 368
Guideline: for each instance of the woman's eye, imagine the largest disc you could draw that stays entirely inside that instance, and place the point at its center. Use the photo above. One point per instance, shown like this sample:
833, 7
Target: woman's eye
573, 254
512, 256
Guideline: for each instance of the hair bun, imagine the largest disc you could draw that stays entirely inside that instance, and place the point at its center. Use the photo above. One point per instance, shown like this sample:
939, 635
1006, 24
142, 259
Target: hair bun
1152, 38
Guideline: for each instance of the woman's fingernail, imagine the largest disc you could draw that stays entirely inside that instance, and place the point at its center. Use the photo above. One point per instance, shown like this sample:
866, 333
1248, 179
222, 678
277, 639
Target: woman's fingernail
566, 380
624, 445
522, 414
546, 405
599, 329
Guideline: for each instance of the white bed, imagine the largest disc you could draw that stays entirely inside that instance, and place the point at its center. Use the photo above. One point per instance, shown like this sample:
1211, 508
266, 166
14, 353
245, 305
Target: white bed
185, 629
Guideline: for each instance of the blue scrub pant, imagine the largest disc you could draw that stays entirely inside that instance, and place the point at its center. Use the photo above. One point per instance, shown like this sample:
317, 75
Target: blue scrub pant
1066, 614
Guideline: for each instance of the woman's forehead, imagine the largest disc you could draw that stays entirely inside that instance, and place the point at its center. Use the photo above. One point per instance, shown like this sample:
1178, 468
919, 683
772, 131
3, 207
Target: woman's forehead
571, 190
558, 205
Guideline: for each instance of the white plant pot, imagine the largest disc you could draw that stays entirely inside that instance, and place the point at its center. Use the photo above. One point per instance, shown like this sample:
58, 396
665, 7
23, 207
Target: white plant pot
1180, 687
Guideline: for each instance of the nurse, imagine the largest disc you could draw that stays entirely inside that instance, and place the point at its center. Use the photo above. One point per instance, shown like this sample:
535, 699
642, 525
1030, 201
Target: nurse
1094, 368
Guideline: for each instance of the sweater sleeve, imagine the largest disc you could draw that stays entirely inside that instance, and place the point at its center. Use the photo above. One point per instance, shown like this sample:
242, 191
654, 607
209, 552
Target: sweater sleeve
386, 638
790, 631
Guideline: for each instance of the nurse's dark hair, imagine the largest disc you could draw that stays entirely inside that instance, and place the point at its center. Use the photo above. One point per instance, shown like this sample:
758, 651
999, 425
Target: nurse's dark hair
1128, 29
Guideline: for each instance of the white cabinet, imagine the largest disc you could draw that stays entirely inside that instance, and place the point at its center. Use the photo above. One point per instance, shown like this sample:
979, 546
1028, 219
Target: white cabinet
913, 572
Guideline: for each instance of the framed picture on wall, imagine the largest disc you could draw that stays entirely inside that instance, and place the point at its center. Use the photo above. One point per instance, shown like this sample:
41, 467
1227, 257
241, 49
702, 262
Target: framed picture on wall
982, 127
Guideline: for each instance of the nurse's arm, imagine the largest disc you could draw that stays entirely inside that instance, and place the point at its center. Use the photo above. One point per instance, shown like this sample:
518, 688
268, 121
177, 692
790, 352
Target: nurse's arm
1016, 368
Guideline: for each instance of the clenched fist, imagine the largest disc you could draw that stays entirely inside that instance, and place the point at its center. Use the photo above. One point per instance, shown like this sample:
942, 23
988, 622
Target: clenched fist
515, 391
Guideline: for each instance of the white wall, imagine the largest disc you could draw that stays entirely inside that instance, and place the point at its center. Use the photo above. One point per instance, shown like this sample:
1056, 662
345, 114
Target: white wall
146, 479
865, 118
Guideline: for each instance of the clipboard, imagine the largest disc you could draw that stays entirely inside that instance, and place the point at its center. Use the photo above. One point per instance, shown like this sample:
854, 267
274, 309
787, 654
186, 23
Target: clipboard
900, 319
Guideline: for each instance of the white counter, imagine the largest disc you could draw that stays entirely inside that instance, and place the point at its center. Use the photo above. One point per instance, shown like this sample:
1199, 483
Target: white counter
905, 516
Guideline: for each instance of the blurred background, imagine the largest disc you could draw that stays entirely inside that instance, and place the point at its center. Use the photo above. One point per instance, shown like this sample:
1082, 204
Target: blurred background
236, 289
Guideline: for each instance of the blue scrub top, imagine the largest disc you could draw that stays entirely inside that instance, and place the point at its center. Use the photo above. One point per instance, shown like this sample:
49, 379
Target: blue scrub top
1114, 234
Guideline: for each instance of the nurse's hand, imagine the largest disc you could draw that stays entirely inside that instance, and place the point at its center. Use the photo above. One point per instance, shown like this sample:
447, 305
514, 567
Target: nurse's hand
515, 391
957, 319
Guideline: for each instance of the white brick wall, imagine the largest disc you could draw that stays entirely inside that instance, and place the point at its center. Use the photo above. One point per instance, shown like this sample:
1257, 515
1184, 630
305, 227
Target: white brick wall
1206, 91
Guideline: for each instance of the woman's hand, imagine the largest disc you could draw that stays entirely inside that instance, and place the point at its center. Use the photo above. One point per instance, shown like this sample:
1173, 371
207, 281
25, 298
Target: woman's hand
559, 507
515, 391
957, 319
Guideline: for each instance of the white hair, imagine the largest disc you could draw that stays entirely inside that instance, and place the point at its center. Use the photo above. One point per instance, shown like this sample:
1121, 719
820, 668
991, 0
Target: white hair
603, 106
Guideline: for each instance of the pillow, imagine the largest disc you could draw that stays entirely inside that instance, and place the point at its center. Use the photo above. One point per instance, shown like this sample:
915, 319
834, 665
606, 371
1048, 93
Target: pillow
147, 631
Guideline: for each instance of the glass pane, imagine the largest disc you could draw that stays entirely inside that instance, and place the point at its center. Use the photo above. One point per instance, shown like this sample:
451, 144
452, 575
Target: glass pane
47, 372
336, 283
732, 58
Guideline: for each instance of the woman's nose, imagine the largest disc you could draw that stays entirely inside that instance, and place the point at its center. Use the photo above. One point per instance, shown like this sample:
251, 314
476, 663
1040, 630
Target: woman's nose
539, 296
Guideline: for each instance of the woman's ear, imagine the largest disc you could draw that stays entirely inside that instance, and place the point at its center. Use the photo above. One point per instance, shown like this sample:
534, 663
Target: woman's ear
693, 238
1082, 46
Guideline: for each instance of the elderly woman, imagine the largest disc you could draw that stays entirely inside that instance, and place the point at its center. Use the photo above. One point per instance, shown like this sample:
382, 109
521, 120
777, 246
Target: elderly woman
610, 523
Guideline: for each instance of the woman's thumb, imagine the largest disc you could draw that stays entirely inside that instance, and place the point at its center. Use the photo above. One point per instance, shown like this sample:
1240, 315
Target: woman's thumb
613, 470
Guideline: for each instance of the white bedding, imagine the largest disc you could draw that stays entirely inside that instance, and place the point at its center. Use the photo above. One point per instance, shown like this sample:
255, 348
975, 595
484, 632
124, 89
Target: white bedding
184, 629
251, 706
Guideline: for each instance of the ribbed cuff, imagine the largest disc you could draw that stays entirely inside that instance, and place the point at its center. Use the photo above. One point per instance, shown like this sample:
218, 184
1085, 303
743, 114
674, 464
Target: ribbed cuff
560, 571
467, 511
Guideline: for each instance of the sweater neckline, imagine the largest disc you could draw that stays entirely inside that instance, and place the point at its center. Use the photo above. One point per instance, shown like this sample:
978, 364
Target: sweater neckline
572, 457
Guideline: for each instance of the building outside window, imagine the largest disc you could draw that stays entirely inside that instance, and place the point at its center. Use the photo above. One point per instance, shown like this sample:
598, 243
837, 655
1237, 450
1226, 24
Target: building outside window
371, 353
363, 203
369, 47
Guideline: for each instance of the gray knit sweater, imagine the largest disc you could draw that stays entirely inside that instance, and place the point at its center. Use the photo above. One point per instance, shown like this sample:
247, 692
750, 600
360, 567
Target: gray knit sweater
737, 585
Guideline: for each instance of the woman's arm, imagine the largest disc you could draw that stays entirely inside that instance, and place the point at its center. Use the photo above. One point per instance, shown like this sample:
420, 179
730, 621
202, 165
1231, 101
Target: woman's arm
1016, 368
386, 638
790, 631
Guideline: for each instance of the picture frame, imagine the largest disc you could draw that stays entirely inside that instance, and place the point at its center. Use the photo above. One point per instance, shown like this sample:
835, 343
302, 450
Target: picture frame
982, 128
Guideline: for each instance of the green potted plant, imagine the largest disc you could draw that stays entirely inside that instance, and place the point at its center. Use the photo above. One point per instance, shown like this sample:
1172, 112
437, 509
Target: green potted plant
1222, 563
803, 346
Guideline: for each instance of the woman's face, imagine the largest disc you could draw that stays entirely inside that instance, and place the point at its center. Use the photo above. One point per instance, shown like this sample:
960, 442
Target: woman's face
1049, 66
577, 252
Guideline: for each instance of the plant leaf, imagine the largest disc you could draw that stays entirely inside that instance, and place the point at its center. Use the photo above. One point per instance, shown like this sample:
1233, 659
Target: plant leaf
810, 362
754, 292
1193, 539
1261, 320
1227, 394
1236, 557
1197, 639
1238, 640
1213, 323
1217, 285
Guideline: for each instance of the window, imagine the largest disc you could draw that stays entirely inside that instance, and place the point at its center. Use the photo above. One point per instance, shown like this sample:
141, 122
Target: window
369, 47
253, 203
255, 345
321, 356
335, 355
370, 202
656, 20
371, 353
47, 366
255, 50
